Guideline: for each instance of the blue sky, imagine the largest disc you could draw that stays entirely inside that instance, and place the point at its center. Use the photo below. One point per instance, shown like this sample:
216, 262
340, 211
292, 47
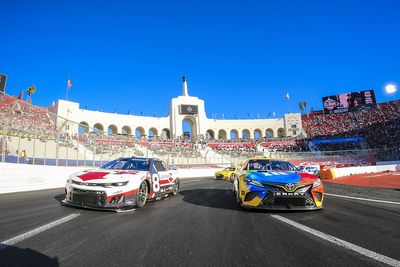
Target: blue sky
239, 56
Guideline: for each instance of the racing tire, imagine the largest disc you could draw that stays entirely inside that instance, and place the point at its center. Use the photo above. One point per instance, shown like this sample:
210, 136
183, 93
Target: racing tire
175, 187
236, 190
142, 195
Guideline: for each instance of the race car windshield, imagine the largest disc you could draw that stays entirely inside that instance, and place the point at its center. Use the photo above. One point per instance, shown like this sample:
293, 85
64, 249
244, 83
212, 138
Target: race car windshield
127, 164
270, 165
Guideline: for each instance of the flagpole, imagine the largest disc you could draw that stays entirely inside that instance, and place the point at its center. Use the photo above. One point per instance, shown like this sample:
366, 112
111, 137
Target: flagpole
69, 84
66, 94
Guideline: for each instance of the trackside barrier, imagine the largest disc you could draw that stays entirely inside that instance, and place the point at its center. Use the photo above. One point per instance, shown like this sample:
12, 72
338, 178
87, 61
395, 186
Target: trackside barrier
26, 177
327, 173
333, 173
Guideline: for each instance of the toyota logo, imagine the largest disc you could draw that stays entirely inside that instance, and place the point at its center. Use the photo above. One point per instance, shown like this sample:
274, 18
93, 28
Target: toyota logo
289, 186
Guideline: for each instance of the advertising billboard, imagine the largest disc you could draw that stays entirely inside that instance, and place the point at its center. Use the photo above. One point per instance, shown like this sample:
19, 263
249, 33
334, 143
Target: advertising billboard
3, 79
348, 101
188, 109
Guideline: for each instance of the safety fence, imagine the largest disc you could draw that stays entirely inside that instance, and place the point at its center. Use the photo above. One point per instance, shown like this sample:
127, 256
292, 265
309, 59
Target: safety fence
34, 135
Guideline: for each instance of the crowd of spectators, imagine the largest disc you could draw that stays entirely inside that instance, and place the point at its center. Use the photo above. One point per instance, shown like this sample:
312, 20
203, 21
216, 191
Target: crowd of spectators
296, 145
379, 125
174, 149
238, 151
20, 116
339, 146
108, 144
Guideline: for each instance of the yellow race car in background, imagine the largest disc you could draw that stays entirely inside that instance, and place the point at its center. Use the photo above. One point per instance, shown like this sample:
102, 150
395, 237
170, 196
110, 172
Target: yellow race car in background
229, 173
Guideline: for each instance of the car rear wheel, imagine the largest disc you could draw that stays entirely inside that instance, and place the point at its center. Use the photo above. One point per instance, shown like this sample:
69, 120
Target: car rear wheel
175, 187
141, 197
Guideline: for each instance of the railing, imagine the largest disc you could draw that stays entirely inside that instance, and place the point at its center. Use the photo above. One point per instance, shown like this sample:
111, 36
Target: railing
33, 135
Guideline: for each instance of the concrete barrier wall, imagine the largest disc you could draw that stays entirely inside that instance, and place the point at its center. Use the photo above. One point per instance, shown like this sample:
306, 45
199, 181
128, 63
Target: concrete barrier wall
24, 177
341, 172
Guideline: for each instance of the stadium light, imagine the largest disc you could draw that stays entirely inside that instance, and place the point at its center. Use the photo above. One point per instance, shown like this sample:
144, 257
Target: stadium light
390, 88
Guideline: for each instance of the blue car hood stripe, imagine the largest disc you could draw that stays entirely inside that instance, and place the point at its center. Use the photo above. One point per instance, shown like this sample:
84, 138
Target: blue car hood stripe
275, 177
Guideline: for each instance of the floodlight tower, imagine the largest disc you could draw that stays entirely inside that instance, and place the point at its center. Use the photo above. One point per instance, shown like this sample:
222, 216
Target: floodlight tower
391, 89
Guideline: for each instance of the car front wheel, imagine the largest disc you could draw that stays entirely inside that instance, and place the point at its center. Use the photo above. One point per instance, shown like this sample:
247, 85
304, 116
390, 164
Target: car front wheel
236, 190
175, 187
141, 197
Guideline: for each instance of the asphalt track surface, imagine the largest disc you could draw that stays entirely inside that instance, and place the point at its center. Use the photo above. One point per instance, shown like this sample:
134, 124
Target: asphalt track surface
201, 226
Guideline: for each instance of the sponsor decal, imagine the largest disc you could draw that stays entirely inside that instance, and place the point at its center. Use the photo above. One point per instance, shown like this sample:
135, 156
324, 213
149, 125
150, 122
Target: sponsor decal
129, 202
285, 194
92, 175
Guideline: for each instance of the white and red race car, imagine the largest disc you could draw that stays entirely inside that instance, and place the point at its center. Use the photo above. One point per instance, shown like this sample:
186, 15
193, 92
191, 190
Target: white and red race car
121, 184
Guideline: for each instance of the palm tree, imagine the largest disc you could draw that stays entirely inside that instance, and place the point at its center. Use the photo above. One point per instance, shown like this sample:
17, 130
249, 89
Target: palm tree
301, 106
305, 107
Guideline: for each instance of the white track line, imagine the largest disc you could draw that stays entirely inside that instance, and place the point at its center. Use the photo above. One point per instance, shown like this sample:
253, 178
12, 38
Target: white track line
339, 242
21, 237
364, 199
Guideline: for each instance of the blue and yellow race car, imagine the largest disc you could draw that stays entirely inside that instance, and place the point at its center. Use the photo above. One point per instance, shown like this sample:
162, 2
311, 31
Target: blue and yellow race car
275, 184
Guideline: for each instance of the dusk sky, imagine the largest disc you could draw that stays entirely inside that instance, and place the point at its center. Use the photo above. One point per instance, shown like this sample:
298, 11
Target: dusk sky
239, 56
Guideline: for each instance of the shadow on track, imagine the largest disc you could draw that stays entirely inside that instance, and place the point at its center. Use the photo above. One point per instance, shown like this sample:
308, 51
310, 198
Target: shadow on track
59, 197
213, 198
14, 256
225, 199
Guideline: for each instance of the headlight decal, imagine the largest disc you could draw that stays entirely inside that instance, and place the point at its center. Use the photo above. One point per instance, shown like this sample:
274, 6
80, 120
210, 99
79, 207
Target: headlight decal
317, 183
253, 182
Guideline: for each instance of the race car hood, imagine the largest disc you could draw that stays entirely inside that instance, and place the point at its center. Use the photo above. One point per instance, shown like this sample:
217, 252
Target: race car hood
281, 177
106, 176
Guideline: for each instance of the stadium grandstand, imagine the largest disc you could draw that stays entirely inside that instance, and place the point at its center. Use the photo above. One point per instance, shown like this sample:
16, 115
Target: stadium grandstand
58, 136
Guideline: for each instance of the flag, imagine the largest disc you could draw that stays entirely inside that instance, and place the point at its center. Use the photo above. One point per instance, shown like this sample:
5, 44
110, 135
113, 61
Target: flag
287, 97
69, 83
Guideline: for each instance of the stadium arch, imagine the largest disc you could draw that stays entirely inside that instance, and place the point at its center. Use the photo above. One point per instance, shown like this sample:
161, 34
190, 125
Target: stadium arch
165, 133
191, 123
83, 127
245, 134
153, 132
281, 132
98, 128
233, 134
112, 129
139, 132
269, 133
126, 130
257, 134
222, 134
210, 134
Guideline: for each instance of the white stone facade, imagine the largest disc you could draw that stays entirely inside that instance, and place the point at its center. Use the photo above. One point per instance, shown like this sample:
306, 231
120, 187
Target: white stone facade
171, 126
